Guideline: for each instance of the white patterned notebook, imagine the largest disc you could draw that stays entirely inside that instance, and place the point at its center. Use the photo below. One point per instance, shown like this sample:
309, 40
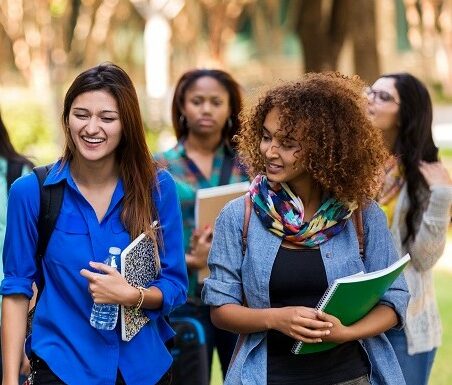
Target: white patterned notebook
139, 267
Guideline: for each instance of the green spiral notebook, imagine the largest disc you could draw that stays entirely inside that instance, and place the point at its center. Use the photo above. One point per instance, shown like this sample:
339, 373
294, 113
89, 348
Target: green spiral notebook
351, 298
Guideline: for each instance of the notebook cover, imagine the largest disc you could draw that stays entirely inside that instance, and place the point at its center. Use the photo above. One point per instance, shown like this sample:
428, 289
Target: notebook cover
209, 202
139, 267
351, 298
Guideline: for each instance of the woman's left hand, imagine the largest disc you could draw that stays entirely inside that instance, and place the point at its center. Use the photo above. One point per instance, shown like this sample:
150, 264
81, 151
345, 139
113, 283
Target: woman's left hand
109, 286
338, 333
200, 244
435, 174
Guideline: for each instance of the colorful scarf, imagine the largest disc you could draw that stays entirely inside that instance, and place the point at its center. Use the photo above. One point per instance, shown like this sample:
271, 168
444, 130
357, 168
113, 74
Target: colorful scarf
391, 185
282, 213
392, 182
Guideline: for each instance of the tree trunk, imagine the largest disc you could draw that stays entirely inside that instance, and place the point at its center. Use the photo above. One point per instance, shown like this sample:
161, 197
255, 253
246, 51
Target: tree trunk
322, 29
339, 27
364, 39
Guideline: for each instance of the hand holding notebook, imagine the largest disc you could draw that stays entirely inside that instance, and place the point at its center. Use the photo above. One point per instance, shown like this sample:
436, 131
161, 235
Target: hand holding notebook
139, 268
351, 298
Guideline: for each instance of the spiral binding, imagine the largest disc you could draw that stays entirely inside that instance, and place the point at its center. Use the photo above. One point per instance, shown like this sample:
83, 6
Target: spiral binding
296, 348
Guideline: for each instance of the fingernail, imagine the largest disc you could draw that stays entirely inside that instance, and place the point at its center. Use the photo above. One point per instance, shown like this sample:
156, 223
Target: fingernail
330, 325
327, 332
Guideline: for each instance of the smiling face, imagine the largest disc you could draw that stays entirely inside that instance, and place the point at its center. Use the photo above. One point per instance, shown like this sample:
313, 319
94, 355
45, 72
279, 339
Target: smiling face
95, 125
281, 153
206, 107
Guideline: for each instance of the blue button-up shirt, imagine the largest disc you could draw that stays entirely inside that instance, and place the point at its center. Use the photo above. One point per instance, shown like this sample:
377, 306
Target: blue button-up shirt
62, 335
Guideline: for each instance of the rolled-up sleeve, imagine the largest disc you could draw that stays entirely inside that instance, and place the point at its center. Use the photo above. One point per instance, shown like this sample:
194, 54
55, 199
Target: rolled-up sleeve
21, 237
380, 252
224, 284
173, 281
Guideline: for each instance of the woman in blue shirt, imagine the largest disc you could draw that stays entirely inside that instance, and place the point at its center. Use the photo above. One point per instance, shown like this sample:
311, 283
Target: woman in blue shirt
113, 192
315, 158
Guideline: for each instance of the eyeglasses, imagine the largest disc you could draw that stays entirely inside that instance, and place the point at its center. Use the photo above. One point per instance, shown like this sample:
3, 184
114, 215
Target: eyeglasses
380, 96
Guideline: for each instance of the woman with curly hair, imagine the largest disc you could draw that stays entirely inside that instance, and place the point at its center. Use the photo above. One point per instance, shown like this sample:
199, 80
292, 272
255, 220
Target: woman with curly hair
416, 197
314, 158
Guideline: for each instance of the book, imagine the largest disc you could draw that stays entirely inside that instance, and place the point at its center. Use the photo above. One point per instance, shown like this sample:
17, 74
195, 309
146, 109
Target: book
208, 204
209, 201
139, 267
351, 298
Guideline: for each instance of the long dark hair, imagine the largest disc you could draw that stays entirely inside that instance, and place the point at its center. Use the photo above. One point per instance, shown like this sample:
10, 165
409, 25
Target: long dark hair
7, 149
137, 168
414, 141
226, 80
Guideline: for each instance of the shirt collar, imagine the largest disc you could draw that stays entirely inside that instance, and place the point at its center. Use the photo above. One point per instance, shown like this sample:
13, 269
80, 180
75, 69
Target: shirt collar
58, 173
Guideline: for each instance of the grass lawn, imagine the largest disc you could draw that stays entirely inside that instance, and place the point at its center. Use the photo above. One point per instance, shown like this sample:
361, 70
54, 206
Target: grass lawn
217, 378
442, 368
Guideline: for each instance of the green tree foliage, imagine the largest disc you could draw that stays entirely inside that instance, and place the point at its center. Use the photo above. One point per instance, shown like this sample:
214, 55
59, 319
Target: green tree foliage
29, 129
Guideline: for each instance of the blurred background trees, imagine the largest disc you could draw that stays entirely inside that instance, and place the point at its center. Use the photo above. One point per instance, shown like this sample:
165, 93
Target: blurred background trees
45, 43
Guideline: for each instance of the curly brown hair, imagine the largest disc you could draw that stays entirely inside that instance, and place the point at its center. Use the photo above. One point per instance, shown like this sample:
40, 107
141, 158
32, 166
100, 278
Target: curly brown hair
327, 113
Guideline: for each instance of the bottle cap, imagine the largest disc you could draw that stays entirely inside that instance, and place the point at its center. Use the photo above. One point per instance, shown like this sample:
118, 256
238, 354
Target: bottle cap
114, 250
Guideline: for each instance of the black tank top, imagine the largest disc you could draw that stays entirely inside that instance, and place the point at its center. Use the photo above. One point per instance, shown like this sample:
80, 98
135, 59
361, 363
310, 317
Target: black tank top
298, 278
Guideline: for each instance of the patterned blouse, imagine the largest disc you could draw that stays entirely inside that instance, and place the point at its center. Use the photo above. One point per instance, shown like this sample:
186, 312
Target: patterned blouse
189, 179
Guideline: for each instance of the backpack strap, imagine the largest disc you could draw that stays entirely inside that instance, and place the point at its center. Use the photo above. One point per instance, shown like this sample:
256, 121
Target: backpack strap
51, 199
357, 219
13, 171
246, 222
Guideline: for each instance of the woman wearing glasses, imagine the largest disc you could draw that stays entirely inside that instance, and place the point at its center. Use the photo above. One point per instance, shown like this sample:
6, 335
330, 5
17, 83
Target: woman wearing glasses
416, 196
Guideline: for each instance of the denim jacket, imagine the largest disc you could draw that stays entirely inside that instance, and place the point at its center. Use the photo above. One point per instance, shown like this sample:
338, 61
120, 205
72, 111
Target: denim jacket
232, 275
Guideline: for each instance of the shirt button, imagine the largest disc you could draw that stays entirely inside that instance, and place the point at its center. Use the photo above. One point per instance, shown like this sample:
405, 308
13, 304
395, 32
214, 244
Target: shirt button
328, 255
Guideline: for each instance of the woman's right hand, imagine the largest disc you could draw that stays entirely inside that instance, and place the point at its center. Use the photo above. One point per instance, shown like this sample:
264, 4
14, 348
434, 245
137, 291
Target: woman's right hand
300, 323
435, 174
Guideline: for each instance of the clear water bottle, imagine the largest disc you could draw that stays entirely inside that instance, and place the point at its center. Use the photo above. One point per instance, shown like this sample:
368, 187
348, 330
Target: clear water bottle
105, 316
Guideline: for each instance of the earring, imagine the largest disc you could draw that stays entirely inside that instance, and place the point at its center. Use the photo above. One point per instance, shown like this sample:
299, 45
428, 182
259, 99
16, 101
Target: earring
182, 120
229, 123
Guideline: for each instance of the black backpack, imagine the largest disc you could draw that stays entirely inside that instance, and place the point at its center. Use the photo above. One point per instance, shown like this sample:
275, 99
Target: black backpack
13, 171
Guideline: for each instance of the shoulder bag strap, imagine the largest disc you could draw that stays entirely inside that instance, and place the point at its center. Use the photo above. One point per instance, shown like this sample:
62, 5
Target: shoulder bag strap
246, 222
357, 219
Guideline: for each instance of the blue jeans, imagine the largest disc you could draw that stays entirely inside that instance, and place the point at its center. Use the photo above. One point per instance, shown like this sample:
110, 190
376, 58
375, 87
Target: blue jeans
416, 368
